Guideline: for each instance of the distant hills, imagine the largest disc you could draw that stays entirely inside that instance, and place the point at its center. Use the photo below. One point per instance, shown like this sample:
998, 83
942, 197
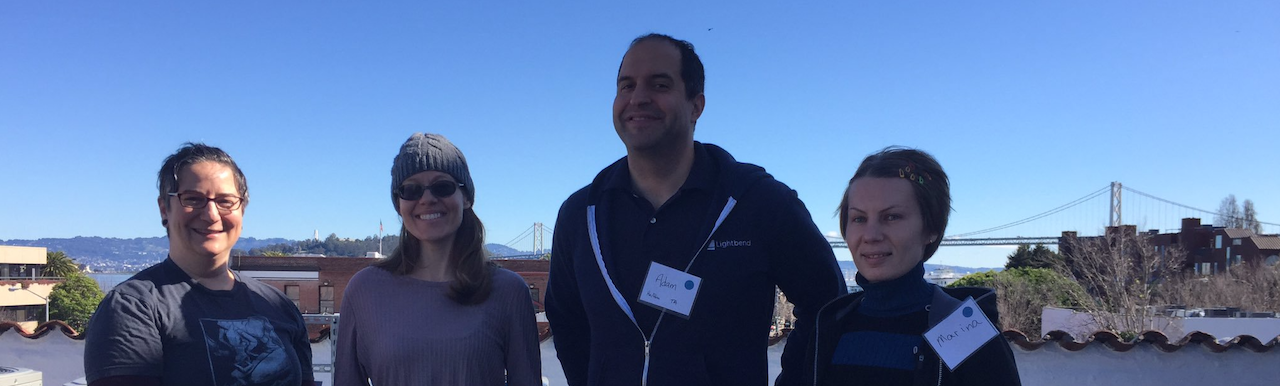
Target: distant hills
109, 254
848, 265
113, 248
113, 254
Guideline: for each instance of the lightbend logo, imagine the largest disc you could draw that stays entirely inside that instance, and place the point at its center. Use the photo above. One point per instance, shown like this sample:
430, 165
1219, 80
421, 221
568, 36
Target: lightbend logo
713, 245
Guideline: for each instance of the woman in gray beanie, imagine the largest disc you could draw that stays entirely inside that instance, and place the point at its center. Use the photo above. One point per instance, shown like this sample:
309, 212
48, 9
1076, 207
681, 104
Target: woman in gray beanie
436, 311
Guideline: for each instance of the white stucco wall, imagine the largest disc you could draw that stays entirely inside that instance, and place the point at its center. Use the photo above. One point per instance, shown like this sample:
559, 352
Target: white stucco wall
1051, 365
61, 360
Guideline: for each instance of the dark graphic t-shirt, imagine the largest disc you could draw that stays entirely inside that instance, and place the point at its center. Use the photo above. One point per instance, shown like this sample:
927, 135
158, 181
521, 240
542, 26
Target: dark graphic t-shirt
160, 323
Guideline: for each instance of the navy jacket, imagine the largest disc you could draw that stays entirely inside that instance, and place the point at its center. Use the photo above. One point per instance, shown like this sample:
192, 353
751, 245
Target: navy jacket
991, 365
768, 238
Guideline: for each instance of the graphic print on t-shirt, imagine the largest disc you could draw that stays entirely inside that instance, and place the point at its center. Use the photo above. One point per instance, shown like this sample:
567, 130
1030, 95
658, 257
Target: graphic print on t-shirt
247, 352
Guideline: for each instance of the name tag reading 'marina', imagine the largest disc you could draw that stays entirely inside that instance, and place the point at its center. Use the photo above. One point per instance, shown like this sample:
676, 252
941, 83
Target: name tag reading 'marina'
960, 334
670, 289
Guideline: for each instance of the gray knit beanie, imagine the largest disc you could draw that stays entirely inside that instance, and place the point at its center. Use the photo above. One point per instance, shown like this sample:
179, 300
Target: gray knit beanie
425, 152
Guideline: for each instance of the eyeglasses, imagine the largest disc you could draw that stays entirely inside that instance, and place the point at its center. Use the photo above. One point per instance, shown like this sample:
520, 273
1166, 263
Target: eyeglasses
193, 200
440, 189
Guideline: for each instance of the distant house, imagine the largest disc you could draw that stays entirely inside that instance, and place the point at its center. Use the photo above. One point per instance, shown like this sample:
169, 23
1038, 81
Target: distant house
24, 291
1209, 249
315, 284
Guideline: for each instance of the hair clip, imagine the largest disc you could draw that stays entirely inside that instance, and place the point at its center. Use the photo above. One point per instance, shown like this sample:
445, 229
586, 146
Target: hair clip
907, 173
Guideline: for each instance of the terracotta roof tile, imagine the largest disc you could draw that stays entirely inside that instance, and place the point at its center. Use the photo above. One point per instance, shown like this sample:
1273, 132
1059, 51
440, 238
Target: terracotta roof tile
1154, 338
41, 330
318, 333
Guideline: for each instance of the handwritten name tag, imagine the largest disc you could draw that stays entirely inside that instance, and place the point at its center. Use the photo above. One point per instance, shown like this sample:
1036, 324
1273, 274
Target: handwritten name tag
961, 334
670, 289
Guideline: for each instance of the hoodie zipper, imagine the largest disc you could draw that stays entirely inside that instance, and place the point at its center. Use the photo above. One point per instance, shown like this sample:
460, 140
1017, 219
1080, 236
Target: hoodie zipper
939, 371
817, 330
644, 377
595, 246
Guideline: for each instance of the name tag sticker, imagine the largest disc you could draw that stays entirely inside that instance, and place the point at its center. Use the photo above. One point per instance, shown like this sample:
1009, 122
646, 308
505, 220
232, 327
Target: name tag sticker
961, 334
670, 289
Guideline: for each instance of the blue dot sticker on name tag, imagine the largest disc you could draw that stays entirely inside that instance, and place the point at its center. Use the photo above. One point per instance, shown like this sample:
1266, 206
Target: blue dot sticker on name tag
968, 312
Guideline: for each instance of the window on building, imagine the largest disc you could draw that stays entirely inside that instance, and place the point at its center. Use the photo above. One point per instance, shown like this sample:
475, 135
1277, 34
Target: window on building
1273, 260
1217, 242
1235, 241
294, 294
21, 313
16, 271
326, 299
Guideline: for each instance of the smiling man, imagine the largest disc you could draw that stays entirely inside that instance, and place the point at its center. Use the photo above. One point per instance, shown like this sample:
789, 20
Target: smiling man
189, 320
663, 269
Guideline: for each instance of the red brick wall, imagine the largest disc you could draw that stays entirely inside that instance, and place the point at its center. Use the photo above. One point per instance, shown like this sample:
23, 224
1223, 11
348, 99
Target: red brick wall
337, 271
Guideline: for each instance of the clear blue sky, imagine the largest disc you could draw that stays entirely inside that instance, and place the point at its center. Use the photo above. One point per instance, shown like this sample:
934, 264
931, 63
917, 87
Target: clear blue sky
1028, 105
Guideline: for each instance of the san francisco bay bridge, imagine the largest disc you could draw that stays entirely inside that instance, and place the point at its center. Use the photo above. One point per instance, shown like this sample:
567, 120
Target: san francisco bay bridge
1109, 206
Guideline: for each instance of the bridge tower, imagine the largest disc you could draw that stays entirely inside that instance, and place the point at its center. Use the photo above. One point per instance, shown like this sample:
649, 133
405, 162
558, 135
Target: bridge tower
537, 239
1115, 204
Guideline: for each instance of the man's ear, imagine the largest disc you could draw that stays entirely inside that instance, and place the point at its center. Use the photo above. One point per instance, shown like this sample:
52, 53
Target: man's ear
699, 103
164, 211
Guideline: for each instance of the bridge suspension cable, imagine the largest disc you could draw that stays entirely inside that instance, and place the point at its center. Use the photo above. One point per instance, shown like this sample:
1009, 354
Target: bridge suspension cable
536, 230
1135, 191
1078, 201
521, 237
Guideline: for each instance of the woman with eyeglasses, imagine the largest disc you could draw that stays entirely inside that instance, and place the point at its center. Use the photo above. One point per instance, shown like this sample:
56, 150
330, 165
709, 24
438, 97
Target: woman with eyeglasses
190, 320
436, 311
893, 215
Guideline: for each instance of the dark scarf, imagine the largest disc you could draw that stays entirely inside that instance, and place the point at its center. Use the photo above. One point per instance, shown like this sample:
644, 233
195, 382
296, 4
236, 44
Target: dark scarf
906, 294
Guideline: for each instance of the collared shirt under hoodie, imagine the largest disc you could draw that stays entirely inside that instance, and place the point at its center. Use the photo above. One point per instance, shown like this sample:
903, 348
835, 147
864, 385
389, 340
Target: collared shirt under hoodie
637, 233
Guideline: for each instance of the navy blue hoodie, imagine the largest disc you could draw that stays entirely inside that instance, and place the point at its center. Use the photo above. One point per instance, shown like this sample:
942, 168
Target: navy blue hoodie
767, 239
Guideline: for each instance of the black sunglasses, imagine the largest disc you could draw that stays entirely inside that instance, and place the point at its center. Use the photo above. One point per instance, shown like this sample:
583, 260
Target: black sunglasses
440, 189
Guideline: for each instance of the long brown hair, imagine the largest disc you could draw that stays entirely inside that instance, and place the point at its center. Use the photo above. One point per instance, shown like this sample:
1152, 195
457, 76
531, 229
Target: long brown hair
472, 272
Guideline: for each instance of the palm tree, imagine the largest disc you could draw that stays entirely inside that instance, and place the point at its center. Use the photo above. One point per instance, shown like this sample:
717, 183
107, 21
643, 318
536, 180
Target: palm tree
58, 264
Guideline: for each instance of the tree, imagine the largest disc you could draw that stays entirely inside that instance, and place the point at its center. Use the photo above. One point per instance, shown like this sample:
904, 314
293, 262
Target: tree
58, 264
1022, 293
1228, 213
74, 300
1027, 257
1253, 286
1249, 218
1124, 274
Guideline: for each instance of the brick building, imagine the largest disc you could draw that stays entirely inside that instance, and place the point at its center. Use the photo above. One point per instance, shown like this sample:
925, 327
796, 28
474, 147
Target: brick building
1209, 249
316, 283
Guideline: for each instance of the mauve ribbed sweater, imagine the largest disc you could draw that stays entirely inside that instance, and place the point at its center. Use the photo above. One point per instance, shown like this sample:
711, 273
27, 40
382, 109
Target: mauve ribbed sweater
397, 330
